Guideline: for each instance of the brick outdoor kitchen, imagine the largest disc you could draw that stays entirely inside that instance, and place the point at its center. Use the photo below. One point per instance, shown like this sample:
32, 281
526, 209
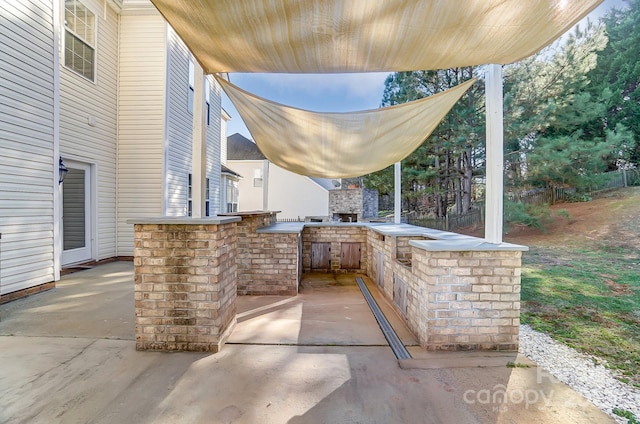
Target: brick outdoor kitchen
455, 292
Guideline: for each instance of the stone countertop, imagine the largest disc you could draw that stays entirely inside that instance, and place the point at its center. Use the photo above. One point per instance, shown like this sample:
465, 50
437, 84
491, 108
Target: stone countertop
440, 240
185, 220
249, 213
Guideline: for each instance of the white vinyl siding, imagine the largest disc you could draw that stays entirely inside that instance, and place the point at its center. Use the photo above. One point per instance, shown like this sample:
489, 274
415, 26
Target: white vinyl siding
214, 141
180, 123
141, 122
26, 144
223, 139
250, 198
296, 196
180, 127
88, 126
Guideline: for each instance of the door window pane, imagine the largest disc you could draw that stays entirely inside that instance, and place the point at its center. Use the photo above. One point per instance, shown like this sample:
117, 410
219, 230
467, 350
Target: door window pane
73, 210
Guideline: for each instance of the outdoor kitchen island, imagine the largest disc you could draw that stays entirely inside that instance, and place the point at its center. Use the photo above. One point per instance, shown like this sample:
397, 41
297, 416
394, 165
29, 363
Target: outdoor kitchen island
455, 292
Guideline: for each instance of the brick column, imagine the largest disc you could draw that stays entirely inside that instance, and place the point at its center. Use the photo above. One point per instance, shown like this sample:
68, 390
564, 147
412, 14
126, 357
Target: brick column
466, 300
185, 284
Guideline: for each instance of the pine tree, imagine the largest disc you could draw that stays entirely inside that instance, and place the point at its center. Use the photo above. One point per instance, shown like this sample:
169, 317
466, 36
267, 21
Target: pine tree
439, 173
556, 127
618, 70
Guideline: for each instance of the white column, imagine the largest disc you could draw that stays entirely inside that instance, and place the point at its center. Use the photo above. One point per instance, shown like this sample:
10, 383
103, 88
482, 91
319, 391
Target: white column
495, 131
198, 146
397, 187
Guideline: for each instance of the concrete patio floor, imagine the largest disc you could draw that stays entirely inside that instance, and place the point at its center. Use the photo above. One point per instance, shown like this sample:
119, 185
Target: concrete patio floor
68, 356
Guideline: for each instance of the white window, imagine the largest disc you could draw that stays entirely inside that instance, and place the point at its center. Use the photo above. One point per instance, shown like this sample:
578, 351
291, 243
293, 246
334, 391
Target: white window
207, 195
191, 84
79, 39
232, 196
257, 177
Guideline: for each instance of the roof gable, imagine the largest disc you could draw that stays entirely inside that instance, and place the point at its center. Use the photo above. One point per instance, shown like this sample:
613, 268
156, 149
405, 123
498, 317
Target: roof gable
241, 148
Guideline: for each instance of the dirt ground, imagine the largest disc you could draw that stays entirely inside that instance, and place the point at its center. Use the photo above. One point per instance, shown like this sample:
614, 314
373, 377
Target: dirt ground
612, 219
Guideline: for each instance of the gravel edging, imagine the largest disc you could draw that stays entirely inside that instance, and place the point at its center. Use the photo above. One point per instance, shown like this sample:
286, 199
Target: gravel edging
579, 371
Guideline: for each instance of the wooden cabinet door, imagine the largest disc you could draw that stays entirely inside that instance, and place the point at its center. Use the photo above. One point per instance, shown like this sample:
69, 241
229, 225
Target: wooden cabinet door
320, 256
350, 256
400, 294
380, 269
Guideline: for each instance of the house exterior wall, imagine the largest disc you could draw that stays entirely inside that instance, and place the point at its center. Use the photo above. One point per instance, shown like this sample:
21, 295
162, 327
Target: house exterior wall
88, 126
180, 132
296, 196
179, 127
250, 198
27, 134
116, 124
215, 139
143, 52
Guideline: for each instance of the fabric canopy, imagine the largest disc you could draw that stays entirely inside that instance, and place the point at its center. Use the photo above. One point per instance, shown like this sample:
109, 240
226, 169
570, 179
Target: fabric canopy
322, 36
340, 145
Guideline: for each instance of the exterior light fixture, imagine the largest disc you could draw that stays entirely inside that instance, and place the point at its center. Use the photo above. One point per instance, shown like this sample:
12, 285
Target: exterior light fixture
63, 171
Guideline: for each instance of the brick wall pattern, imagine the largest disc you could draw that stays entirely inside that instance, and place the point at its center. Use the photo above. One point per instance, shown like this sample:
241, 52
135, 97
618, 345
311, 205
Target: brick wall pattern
185, 277
268, 263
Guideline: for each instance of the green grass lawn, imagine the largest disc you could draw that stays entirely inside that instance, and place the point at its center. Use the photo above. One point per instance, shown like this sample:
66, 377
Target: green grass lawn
587, 299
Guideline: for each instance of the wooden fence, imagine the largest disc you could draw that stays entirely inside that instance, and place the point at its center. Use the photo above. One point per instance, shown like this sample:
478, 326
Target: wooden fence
536, 197
541, 196
553, 195
450, 223
290, 220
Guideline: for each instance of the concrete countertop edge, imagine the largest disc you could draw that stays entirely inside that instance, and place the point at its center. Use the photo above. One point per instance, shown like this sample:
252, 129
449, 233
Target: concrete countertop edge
441, 240
182, 220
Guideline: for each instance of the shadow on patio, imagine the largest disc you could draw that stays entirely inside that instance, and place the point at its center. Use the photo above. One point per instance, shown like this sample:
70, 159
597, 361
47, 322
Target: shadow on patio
316, 358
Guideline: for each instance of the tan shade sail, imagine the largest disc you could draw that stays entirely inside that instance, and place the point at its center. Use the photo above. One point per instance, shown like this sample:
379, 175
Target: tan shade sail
322, 36
340, 145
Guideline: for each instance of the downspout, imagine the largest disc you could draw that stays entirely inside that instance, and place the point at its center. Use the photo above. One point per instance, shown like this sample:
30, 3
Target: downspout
118, 130
57, 188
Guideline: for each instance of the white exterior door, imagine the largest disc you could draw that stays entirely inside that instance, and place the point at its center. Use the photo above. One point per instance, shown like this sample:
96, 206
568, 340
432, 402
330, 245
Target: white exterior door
76, 214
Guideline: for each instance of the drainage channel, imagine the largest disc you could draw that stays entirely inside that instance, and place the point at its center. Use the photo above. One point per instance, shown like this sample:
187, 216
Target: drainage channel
394, 341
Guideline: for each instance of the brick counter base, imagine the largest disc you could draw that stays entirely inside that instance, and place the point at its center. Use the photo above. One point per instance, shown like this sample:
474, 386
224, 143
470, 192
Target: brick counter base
467, 300
185, 286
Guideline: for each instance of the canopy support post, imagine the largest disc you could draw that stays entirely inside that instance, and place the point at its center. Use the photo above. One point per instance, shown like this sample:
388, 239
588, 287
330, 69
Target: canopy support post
494, 165
198, 146
397, 190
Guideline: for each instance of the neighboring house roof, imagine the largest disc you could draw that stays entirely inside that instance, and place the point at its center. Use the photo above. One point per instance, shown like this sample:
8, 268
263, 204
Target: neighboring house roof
226, 170
241, 148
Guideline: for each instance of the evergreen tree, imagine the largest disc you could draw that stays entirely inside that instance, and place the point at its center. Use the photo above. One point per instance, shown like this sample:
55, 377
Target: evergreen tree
439, 173
618, 70
556, 128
